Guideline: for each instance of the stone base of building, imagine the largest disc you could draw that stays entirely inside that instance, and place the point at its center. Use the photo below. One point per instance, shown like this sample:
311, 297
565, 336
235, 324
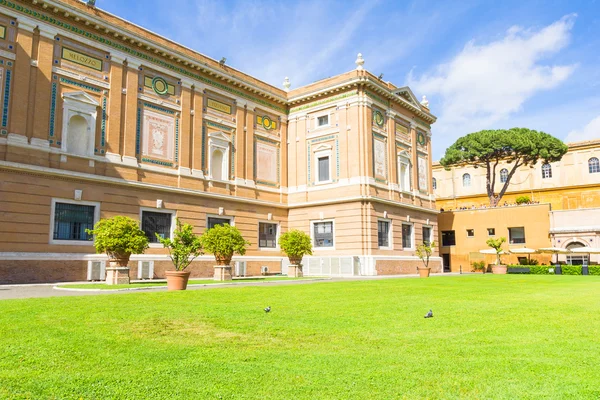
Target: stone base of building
222, 273
117, 276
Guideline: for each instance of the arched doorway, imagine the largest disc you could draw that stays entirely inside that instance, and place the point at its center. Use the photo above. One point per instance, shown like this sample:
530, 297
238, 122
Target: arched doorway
577, 258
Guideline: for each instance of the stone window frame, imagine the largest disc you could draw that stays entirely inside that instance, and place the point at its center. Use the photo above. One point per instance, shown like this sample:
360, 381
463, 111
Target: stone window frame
53, 202
162, 211
390, 234
412, 236
277, 235
312, 233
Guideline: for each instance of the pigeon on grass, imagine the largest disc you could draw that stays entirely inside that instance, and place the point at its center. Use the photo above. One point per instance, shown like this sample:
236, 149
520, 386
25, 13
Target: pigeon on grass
429, 314
268, 309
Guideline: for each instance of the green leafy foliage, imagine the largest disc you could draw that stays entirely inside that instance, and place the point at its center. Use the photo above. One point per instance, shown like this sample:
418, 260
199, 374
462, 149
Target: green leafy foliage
295, 244
223, 241
184, 247
571, 270
522, 200
424, 251
478, 265
534, 269
594, 269
516, 146
496, 244
119, 237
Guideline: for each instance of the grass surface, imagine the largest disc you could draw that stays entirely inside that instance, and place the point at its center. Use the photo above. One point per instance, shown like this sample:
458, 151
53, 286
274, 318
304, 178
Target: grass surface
104, 286
492, 337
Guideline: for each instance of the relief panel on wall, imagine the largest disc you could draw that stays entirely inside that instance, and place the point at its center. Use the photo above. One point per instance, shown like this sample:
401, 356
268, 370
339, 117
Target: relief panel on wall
158, 136
267, 160
423, 181
379, 158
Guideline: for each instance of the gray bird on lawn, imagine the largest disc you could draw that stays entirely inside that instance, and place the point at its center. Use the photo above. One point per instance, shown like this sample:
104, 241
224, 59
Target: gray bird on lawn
429, 314
268, 309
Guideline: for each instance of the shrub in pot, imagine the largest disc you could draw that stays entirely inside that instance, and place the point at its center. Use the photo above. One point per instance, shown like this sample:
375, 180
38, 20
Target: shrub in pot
478, 266
496, 244
183, 249
119, 237
522, 200
295, 244
424, 251
223, 241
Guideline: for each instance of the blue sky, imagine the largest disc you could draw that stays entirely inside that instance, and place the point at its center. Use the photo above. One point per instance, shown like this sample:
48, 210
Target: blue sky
482, 64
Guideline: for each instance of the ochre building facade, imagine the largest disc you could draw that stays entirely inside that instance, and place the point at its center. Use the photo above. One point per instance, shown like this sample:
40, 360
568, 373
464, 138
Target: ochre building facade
101, 117
564, 209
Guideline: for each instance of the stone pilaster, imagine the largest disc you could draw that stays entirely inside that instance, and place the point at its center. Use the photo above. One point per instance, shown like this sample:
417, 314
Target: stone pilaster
131, 107
414, 160
198, 147
22, 79
43, 82
185, 133
115, 106
249, 150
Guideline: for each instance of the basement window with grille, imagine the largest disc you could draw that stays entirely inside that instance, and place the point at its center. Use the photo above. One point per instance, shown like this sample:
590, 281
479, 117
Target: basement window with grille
70, 220
154, 223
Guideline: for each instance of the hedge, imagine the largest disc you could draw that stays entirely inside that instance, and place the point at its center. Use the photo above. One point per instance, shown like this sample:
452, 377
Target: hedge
533, 269
571, 269
545, 269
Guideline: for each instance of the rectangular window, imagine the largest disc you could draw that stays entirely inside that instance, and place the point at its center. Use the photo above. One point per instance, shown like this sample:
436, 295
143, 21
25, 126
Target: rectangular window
407, 236
491, 231
470, 233
323, 120
383, 233
426, 235
212, 221
448, 238
156, 223
267, 235
71, 221
323, 234
516, 235
323, 169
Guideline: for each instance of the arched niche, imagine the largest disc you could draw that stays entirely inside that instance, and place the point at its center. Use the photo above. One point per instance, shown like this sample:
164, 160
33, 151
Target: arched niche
80, 111
218, 156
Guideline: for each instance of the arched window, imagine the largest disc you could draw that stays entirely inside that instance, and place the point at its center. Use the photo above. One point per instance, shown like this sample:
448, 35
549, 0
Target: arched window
77, 136
546, 171
577, 258
594, 165
434, 184
216, 165
466, 180
503, 175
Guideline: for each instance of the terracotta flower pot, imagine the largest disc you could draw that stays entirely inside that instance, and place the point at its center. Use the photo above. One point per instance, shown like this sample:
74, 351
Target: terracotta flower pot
499, 269
424, 272
177, 280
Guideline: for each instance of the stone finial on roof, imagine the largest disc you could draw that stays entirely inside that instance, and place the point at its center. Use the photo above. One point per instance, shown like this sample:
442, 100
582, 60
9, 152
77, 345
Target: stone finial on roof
287, 84
425, 102
360, 61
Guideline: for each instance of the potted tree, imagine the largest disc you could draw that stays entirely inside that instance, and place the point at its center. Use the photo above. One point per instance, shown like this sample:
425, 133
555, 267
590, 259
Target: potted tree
183, 249
424, 252
119, 237
223, 241
295, 244
496, 244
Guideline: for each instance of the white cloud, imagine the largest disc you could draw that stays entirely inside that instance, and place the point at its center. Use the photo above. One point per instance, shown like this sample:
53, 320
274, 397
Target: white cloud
589, 132
484, 84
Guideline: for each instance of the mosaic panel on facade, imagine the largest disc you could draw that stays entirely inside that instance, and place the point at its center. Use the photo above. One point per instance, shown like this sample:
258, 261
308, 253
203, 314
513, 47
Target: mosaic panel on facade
380, 158
422, 171
267, 160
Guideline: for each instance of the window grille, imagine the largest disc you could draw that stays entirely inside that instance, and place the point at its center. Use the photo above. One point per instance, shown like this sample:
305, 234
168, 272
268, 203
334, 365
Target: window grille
323, 234
546, 171
212, 221
406, 236
156, 222
594, 165
72, 220
383, 233
503, 175
267, 235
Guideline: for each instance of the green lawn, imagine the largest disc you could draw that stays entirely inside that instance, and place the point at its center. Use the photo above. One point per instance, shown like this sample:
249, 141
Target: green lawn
492, 337
148, 284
